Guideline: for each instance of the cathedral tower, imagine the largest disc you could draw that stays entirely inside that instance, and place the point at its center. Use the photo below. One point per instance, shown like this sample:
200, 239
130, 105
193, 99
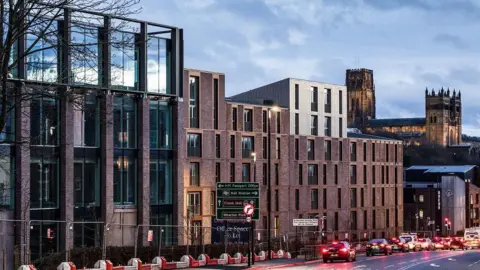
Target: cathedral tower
361, 96
443, 117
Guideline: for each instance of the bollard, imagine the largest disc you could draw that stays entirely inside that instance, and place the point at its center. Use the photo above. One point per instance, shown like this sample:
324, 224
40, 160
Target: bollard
27, 267
104, 265
67, 266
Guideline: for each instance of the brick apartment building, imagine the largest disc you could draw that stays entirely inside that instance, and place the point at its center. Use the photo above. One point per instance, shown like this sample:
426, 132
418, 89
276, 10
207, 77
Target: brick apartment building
314, 171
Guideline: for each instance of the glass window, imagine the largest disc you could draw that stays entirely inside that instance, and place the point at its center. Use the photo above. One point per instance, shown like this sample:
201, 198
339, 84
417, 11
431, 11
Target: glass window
314, 199
217, 173
87, 122
297, 141
277, 174
297, 127
234, 118
84, 53
215, 103
297, 199
247, 120
328, 100
125, 122
265, 147
312, 174
194, 203
264, 121
232, 146
340, 102
310, 149
296, 96
44, 121
124, 177
264, 173
232, 172
353, 197
6, 181
420, 198
340, 127
313, 99
194, 145
247, 147
7, 134
313, 125
44, 182
217, 145
328, 150
246, 172
124, 61
194, 174
353, 151
158, 65
278, 122
86, 175
353, 174
42, 63
300, 174
160, 125
160, 181
327, 126
194, 96
277, 145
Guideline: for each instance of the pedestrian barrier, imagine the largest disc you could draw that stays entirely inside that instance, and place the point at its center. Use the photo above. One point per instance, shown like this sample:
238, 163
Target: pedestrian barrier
67, 266
171, 265
191, 262
27, 267
285, 255
209, 261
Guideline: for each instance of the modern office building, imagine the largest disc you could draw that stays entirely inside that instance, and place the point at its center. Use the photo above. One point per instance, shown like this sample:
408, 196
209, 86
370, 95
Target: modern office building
354, 179
104, 153
433, 193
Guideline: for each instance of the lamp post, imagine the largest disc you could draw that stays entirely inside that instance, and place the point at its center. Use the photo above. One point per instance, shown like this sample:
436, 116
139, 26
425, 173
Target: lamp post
252, 237
269, 184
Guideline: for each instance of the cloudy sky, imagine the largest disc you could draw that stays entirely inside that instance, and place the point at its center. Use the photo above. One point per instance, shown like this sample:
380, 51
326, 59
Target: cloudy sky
410, 45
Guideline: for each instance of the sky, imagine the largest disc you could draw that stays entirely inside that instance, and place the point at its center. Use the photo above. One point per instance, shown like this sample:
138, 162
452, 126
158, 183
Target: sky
409, 44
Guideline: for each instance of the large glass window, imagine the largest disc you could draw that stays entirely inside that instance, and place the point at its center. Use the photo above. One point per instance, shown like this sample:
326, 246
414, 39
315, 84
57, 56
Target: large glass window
86, 121
327, 127
44, 121
87, 182
124, 177
328, 100
193, 109
160, 125
310, 149
7, 135
194, 145
43, 60
247, 119
124, 61
194, 203
6, 180
158, 77
125, 122
312, 174
194, 174
313, 125
44, 182
160, 181
84, 53
247, 147
246, 172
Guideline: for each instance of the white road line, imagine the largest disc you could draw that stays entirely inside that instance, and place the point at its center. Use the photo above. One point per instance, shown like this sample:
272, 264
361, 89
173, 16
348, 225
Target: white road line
431, 260
402, 263
474, 263
388, 266
434, 265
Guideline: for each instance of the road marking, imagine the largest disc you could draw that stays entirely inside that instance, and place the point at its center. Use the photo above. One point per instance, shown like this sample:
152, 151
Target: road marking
434, 265
402, 263
431, 260
360, 266
474, 263
388, 266
450, 259
413, 260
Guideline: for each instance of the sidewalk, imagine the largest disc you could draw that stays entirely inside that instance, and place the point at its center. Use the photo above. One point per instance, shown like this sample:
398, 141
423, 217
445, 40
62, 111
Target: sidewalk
276, 263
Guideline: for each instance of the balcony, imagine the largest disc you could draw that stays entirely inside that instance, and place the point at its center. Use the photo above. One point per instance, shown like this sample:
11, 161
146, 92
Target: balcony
194, 151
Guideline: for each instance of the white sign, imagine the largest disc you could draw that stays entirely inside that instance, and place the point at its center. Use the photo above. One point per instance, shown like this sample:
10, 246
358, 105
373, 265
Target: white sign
448, 193
249, 219
248, 209
305, 222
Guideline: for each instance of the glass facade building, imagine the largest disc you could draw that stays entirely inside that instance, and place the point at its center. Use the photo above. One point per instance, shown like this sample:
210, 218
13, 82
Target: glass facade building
96, 154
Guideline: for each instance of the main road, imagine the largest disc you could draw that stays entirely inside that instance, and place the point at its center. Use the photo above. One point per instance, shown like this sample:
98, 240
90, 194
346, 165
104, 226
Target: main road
432, 260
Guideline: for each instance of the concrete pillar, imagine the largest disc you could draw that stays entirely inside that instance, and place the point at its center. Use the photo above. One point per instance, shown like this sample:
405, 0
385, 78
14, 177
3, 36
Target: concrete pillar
66, 170
106, 123
22, 173
143, 214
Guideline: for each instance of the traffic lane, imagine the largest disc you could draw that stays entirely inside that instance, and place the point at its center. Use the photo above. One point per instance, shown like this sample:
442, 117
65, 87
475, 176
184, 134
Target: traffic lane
459, 261
393, 262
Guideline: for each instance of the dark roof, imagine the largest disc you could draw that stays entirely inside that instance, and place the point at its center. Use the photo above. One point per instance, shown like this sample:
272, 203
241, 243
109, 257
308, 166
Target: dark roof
367, 136
396, 122
443, 168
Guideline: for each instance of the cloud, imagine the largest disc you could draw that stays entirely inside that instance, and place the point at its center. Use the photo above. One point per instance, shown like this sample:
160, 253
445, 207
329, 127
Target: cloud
296, 37
195, 4
451, 40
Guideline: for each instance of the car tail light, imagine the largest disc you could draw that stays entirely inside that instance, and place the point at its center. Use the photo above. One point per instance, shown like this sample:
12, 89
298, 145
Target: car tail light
374, 244
368, 245
343, 249
324, 250
382, 245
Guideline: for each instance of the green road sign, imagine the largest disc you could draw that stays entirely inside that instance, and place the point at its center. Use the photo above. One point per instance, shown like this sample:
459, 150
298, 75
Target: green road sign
231, 197
234, 214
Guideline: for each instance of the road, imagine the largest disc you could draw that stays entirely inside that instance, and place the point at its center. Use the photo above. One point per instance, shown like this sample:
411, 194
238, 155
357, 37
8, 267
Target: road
433, 260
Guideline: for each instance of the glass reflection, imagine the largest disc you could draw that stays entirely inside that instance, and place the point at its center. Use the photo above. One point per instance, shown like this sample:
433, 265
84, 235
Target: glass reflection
158, 66
6, 181
44, 121
160, 182
124, 177
44, 183
86, 121
160, 125
42, 60
124, 61
124, 125
84, 53
87, 184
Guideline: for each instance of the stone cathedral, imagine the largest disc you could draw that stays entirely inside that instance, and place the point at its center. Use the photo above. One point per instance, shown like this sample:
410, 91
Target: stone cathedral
441, 125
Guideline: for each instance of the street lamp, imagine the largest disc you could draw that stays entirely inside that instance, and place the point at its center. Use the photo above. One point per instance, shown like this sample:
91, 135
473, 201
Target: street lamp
254, 158
269, 161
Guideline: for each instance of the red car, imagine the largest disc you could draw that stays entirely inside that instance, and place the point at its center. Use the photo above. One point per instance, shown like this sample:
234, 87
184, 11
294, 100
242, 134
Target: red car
438, 243
378, 246
339, 251
458, 243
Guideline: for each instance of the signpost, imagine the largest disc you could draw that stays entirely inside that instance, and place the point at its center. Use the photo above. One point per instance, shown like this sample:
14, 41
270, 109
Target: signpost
305, 222
232, 197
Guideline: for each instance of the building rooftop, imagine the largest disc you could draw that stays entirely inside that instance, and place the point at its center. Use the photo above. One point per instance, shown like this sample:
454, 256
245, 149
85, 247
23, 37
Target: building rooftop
257, 102
396, 122
367, 136
442, 168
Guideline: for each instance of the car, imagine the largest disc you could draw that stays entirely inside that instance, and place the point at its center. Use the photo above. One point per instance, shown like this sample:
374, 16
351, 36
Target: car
458, 243
339, 251
410, 242
378, 246
398, 245
446, 242
424, 244
438, 243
